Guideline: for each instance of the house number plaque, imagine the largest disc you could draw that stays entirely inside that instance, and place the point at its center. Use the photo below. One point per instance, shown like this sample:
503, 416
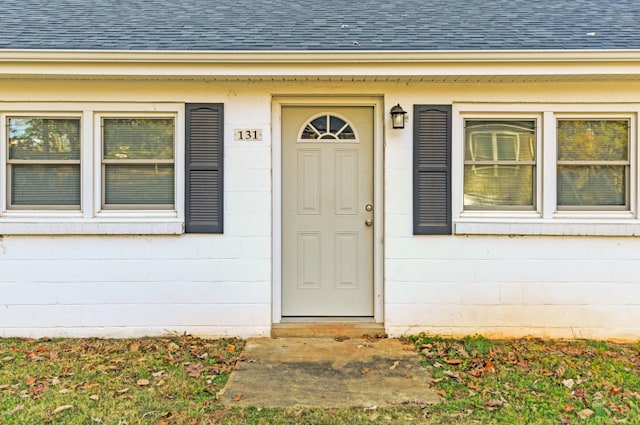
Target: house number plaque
247, 135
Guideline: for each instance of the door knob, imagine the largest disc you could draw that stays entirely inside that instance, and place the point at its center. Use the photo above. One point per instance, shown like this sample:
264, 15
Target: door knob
368, 222
368, 207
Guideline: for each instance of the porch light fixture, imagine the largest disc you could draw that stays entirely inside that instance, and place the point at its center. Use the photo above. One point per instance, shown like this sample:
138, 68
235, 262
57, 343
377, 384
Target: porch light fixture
398, 116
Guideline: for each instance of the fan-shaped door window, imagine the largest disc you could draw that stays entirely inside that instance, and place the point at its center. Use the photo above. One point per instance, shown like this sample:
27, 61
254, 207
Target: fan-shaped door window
327, 127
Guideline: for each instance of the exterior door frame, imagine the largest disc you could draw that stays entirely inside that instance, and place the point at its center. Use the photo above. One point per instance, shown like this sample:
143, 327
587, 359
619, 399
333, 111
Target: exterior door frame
378, 193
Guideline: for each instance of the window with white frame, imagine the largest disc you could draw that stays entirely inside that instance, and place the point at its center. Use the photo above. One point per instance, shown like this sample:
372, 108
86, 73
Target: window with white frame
111, 168
43, 162
561, 169
87, 168
138, 162
593, 165
499, 163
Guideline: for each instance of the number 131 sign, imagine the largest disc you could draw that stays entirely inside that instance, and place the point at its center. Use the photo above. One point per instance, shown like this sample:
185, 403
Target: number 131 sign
247, 135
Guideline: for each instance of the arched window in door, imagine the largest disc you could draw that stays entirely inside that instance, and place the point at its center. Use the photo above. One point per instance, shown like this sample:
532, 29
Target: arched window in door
328, 127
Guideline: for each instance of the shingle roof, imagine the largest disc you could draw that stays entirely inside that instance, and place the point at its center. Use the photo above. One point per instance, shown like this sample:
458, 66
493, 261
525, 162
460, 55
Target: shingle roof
340, 25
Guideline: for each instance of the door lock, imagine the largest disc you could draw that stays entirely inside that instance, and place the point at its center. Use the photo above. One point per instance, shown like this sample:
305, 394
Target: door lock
368, 207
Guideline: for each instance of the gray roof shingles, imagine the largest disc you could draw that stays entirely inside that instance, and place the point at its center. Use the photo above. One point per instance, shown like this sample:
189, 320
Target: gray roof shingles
328, 25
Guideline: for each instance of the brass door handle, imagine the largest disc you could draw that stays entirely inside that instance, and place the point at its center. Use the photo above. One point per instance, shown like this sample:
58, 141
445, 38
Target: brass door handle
368, 222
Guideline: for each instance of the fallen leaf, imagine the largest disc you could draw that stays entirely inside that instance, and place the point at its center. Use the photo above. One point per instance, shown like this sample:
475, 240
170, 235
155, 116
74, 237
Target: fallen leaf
142, 382
494, 403
442, 393
585, 413
372, 408
569, 383
579, 393
452, 375
395, 365
618, 408
194, 369
581, 380
172, 347
95, 397
237, 397
158, 374
134, 346
122, 391
365, 371
30, 381
568, 408
231, 348
341, 338
7, 359
62, 408
16, 409
615, 390
454, 362
88, 385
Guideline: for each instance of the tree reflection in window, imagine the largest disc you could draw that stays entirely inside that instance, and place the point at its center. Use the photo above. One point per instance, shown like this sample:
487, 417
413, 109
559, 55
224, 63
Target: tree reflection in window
593, 163
328, 127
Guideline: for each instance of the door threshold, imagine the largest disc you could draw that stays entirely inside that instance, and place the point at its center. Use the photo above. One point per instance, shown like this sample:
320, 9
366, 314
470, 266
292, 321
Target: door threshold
327, 319
333, 327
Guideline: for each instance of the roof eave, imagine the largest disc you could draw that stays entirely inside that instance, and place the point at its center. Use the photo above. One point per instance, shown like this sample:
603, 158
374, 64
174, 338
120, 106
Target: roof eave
295, 65
345, 56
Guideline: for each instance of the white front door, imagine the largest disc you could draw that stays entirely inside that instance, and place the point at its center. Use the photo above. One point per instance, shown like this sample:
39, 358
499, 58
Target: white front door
327, 211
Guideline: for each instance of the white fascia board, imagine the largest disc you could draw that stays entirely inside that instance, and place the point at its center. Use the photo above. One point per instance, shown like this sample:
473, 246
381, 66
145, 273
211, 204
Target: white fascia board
164, 64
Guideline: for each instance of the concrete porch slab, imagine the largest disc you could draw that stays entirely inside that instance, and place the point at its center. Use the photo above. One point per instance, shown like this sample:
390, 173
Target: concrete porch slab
325, 372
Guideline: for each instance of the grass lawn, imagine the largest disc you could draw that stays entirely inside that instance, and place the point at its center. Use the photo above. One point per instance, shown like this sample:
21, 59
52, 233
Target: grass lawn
175, 380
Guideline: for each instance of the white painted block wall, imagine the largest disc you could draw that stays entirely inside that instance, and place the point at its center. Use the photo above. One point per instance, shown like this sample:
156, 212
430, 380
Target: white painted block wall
125, 286
501, 285
115, 286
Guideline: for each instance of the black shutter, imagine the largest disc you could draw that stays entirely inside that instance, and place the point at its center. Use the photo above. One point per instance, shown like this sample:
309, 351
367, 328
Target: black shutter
432, 170
204, 171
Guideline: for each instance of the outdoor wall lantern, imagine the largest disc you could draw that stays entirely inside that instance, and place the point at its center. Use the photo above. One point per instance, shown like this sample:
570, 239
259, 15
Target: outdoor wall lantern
398, 116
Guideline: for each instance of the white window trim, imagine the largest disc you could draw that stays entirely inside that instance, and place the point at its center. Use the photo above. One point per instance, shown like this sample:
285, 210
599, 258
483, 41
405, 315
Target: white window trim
546, 219
90, 219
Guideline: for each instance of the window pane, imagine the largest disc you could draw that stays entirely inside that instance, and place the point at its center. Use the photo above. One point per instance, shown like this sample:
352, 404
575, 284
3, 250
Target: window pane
499, 140
138, 138
498, 185
347, 134
33, 138
335, 124
139, 184
499, 163
591, 185
320, 124
44, 185
593, 140
309, 133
